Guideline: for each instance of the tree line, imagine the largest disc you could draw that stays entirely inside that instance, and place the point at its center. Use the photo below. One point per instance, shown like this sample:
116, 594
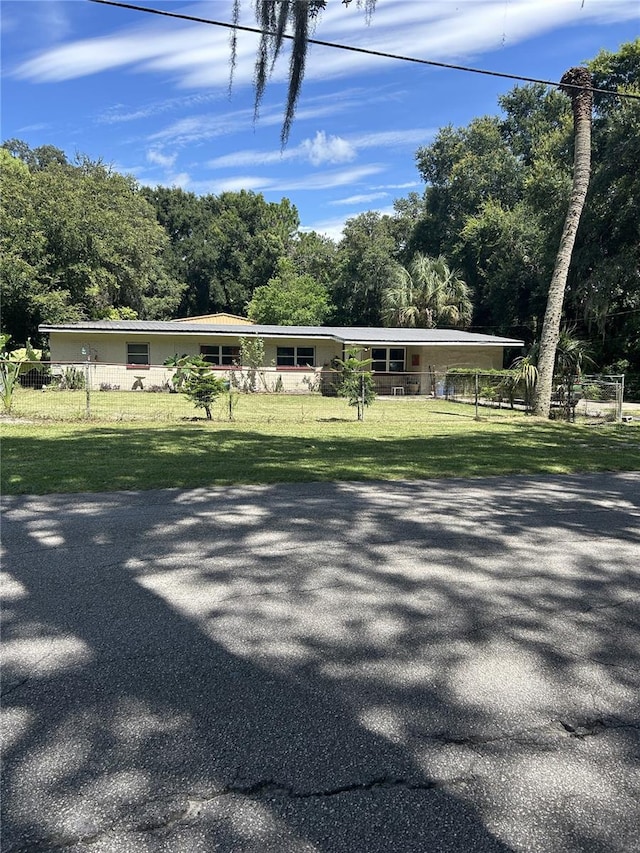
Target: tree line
476, 248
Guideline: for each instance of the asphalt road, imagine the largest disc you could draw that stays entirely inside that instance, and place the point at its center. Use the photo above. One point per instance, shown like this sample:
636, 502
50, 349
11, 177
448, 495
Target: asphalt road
411, 666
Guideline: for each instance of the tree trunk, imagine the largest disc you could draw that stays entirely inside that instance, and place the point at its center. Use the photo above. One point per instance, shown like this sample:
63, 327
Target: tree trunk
581, 101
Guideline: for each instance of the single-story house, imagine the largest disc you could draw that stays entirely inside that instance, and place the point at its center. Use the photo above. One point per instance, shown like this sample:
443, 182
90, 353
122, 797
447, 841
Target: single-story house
131, 353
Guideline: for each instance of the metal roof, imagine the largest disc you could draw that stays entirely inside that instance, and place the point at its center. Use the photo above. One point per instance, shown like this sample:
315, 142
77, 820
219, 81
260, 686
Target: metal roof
360, 335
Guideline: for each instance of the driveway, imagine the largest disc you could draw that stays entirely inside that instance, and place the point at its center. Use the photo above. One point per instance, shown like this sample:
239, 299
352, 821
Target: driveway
410, 666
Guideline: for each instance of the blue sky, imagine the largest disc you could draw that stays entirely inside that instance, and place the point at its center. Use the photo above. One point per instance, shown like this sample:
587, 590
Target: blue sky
150, 95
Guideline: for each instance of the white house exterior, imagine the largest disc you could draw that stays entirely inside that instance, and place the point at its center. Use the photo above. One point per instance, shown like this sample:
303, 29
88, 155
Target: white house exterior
131, 353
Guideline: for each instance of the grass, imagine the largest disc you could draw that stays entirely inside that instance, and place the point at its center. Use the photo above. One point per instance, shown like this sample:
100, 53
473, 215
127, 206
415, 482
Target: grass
295, 439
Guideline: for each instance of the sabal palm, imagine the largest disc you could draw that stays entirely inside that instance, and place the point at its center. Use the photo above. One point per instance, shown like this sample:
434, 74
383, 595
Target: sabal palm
425, 294
581, 101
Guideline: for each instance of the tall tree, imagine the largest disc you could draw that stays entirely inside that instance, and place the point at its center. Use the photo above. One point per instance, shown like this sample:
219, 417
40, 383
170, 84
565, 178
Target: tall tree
289, 299
426, 294
192, 254
250, 235
581, 102
366, 265
78, 241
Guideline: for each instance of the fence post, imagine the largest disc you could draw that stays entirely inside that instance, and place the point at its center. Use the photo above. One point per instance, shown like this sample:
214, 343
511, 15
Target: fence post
87, 388
619, 398
476, 396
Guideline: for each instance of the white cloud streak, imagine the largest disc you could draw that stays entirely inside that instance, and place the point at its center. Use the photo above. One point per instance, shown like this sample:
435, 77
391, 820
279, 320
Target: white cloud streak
198, 55
326, 149
360, 199
311, 182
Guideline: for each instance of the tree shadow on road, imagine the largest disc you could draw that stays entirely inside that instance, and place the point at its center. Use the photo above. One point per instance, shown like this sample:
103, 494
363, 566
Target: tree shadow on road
325, 667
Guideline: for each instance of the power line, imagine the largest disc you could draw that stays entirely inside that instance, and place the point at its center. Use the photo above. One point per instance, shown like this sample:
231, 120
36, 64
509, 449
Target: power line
367, 51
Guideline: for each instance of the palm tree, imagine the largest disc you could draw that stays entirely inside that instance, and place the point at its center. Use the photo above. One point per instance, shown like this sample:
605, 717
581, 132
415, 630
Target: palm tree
426, 293
581, 101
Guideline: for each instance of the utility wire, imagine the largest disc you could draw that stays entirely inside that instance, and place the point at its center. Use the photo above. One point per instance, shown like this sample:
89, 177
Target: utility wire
364, 50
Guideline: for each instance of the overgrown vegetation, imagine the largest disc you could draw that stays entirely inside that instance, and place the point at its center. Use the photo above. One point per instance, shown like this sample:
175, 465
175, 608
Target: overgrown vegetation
14, 363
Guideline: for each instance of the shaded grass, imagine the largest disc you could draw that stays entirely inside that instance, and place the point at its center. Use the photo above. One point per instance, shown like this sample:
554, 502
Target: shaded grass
405, 441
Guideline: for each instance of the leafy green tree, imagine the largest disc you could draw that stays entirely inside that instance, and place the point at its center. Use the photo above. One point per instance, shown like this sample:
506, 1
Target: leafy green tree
463, 169
24, 282
250, 236
426, 294
366, 264
355, 381
315, 255
192, 254
193, 378
503, 249
605, 294
82, 243
289, 299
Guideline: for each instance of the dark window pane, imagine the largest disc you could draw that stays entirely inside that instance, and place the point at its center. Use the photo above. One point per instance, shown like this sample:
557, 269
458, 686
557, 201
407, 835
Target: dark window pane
210, 354
305, 356
396, 354
285, 357
396, 366
379, 354
230, 355
137, 353
380, 366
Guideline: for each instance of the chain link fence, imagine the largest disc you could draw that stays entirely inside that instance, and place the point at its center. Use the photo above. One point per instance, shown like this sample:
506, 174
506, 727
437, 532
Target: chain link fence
115, 391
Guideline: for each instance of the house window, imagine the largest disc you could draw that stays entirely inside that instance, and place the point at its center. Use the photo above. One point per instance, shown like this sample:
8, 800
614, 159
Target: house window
138, 354
388, 359
220, 355
296, 356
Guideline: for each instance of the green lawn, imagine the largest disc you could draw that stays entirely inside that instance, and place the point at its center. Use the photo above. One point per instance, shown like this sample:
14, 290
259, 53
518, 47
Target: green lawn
293, 439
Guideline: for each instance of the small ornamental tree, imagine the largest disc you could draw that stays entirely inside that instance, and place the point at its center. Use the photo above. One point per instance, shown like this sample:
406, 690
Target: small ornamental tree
252, 355
12, 365
355, 381
194, 379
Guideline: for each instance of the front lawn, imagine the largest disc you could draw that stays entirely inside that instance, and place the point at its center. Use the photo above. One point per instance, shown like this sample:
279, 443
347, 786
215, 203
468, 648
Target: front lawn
294, 439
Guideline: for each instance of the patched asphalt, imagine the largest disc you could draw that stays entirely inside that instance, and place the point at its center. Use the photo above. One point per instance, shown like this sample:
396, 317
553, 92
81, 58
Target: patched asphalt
403, 666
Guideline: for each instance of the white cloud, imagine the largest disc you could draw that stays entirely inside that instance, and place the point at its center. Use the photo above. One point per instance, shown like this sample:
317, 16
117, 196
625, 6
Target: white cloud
404, 186
234, 184
315, 181
251, 157
160, 159
328, 149
199, 128
360, 199
198, 56
181, 179
408, 138
119, 113
327, 180
325, 149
